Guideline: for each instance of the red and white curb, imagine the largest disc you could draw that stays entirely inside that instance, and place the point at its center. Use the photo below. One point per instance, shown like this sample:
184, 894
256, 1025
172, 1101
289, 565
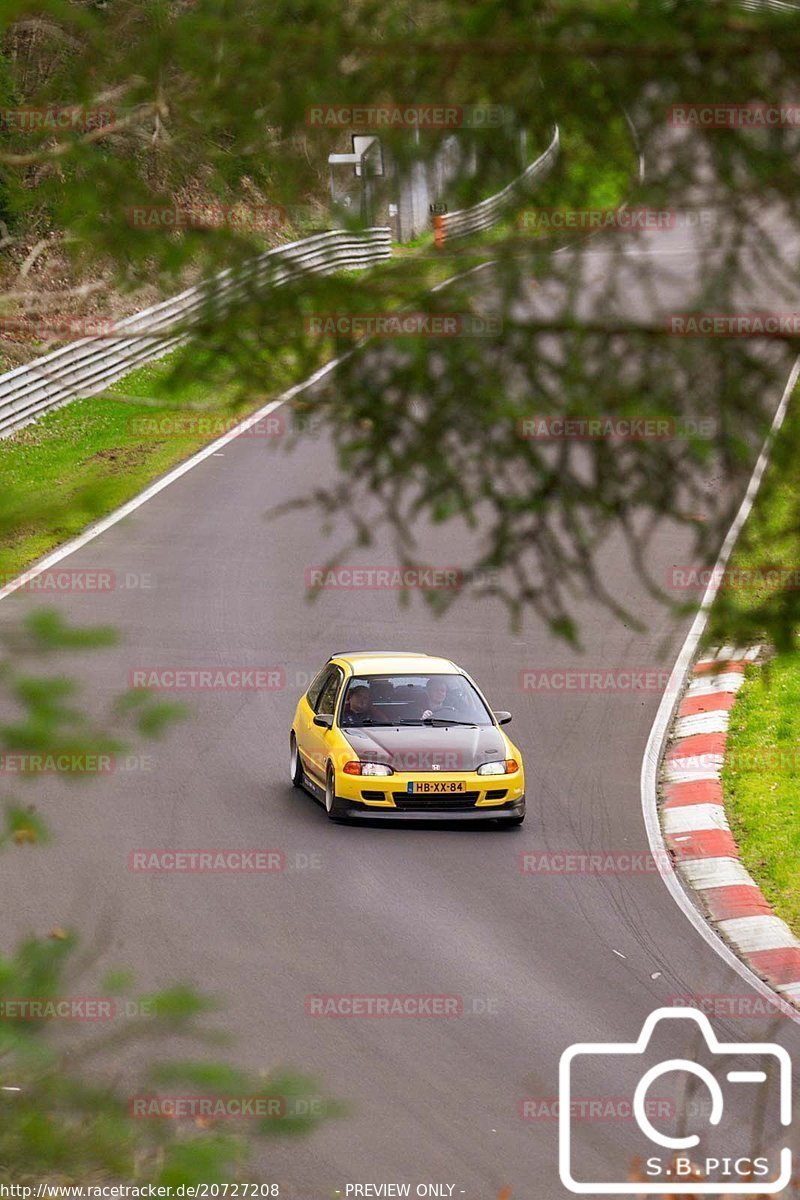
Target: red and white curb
696, 829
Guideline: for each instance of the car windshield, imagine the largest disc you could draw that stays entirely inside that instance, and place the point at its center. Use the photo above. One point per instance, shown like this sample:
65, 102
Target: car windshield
412, 700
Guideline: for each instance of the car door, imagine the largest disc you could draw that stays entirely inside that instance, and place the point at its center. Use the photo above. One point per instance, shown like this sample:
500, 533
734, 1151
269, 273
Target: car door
305, 709
319, 740
304, 712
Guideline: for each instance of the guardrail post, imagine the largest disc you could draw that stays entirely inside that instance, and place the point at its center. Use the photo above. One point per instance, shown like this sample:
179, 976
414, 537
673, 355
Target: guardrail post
439, 231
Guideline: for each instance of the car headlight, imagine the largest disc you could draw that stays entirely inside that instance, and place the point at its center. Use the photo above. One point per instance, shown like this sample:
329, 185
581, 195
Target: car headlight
506, 766
376, 769
367, 768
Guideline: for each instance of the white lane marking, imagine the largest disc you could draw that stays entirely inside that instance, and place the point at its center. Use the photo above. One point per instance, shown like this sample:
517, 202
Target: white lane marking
710, 685
690, 817
661, 724
704, 874
715, 721
759, 933
94, 531
464, 274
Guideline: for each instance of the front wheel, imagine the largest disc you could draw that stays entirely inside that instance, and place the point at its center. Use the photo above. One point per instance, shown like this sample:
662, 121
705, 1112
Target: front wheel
333, 806
295, 763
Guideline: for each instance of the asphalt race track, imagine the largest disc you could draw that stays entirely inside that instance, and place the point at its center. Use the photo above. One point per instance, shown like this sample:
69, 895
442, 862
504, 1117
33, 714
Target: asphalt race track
538, 960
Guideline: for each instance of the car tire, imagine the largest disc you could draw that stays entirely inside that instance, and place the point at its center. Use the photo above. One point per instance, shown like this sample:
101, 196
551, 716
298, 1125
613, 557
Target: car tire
295, 763
333, 806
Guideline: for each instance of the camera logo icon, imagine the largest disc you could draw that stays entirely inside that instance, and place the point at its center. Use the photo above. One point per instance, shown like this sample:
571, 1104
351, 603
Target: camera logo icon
680, 1162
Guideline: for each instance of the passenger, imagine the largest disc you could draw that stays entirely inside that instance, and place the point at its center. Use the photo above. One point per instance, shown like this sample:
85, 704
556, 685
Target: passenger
359, 709
437, 696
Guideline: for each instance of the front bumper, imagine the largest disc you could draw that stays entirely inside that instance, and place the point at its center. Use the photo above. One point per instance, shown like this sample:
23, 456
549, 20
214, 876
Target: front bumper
387, 798
479, 813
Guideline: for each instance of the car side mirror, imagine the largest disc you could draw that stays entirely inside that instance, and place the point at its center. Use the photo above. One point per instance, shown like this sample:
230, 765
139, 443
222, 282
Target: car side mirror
502, 718
324, 719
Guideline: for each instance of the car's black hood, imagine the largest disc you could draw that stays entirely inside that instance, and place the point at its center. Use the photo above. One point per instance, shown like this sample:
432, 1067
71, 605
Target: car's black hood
427, 748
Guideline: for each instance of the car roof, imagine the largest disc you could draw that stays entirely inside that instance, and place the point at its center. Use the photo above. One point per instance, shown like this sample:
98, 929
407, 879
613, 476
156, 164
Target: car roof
395, 662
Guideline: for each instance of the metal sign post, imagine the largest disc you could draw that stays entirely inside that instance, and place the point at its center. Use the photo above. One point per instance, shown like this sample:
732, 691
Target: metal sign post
367, 162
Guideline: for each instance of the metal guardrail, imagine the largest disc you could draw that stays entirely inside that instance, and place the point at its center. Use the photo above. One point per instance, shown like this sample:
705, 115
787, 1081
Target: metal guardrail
772, 5
88, 366
488, 212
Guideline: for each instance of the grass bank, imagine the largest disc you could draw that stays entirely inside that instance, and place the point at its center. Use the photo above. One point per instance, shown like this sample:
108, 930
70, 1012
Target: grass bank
84, 460
761, 778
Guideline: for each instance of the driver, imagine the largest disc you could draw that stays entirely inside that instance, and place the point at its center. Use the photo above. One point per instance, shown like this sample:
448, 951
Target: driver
359, 709
437, 695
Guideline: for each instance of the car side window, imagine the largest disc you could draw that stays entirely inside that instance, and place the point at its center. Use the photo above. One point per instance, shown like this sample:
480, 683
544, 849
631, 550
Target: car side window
314, 692
330, 690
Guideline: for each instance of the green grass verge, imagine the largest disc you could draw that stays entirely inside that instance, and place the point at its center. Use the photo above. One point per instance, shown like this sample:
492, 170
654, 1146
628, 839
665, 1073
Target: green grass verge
762, 782
84, 460
761, 778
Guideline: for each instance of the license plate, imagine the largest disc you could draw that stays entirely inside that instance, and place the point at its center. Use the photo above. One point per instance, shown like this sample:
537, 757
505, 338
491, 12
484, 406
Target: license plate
430, 786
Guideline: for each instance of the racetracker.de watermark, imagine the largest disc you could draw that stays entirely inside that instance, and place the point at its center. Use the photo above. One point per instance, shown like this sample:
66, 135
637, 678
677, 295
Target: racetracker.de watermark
344, 578
60, 762
626, 220
734, 579
592, 862
734, 324
593, 1108
262, 218
568, 680
755, 115
402, 324
61, 327
82, 580
55, 118
73, 1008
212, 861
723, 1006
765, 760
275, 424
173, 1107
407, 116
383, 1006
208, 679
554, 428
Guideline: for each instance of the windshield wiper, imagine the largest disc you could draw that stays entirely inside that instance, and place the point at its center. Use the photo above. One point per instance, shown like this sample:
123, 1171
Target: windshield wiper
400, 721
445, 721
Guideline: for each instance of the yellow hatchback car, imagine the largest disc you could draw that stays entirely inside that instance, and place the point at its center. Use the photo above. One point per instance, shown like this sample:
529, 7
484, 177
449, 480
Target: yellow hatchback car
404, 736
